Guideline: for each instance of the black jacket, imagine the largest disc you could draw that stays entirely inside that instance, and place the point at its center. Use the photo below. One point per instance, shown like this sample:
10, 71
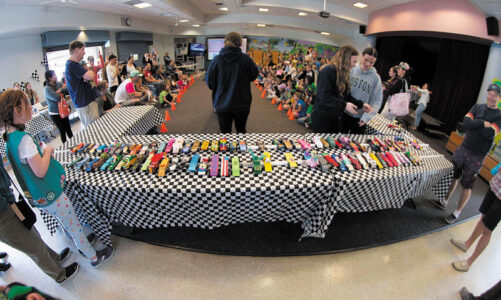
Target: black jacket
229, 76
329, 103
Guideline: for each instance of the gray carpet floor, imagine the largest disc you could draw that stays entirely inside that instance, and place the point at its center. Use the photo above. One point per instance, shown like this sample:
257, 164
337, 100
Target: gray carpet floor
195, 114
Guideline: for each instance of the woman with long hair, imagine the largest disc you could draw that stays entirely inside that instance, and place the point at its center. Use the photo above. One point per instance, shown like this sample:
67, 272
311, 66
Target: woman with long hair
333, 92
52, 92
32, 95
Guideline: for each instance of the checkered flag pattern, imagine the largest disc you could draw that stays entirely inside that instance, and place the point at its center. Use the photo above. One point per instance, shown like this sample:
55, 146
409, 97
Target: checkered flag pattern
183, 198
133, 120
36, 127
302, 195
379, 126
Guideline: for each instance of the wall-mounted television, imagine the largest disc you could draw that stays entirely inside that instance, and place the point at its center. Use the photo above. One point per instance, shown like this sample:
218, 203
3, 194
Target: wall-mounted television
196, 49
215, 44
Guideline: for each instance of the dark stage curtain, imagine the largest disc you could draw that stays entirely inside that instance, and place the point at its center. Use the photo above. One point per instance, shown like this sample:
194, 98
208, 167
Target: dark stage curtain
454, 68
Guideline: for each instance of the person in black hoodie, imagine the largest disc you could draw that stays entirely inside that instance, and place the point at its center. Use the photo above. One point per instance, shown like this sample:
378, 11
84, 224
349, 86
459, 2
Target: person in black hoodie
229, 76
333, 93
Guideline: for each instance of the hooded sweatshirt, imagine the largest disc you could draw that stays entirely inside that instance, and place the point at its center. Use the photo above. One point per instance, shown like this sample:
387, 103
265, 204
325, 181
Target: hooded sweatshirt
229, 76
366, 86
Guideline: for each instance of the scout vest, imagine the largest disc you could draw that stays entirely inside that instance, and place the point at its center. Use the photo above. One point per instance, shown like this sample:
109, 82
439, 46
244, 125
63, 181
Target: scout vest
40, 192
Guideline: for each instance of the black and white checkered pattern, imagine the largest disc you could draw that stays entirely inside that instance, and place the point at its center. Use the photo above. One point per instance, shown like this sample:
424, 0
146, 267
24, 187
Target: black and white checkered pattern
133, 120
302, 195
36, 126
379, 126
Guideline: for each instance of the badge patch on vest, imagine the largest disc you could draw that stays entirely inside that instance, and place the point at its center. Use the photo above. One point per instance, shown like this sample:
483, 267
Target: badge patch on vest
42, 202
63, 178
51, 196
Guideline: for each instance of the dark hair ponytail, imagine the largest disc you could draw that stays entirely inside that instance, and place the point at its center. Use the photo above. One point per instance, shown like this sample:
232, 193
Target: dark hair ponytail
48, 76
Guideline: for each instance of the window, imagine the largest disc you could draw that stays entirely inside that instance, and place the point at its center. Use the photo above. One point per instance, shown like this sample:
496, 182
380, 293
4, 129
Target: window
57, 59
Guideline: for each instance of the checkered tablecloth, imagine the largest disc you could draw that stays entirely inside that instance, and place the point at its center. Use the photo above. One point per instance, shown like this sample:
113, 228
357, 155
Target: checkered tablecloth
36, 126
132, 120
301, 195
379, 126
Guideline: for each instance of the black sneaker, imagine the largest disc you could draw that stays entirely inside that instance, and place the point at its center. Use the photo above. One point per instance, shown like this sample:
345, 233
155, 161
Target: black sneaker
451, 219
4, 267
63, 255
3, 255
102, 256
438, 204
70, 270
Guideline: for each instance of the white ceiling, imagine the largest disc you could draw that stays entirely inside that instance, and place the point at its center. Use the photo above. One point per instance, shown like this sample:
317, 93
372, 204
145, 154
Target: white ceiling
344, 19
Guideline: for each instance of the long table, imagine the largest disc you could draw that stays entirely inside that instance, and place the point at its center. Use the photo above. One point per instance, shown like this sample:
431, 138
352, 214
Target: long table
131, 120
301, 195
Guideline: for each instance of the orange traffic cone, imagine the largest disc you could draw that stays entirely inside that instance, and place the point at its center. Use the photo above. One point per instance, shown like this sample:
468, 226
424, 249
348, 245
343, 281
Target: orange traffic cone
163, 129
263, 94
260, 88
173, 106
178, 100
274, 101
291, 116
167, 116
289, 112
280, 107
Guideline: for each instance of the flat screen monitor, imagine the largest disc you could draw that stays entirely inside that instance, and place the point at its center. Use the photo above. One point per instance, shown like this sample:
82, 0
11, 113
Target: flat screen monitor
196, 49
215, 44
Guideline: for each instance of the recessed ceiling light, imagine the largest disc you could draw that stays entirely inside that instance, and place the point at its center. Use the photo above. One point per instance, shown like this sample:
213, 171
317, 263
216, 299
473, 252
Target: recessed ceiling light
302, 14
168, 15
262, 9
196, 25
261, 25
183, 21
223, 8
142, 5
325, 33
360, 5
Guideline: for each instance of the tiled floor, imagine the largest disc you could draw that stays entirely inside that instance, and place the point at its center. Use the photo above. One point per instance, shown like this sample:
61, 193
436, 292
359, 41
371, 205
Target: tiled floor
416, 269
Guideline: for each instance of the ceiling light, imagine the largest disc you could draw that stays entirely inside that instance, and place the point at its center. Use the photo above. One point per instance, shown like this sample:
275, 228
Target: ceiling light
261, 25
360, 5
325, 33
196, 25
302, 14
223, 8
142, 5
183, 21
168, 15
262, 9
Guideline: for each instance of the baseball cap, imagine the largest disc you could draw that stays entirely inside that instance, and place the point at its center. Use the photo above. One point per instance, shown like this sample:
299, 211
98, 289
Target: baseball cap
135, 73
494, 87
404, 66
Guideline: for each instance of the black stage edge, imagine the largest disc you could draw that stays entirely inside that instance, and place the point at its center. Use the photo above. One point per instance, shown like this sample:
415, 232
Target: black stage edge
347, 231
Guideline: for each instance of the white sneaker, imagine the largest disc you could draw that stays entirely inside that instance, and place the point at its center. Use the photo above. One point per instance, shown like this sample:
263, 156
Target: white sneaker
459, 244
461, 266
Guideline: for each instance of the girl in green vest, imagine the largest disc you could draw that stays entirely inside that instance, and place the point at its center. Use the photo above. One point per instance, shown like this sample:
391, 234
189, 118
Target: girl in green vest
40, 176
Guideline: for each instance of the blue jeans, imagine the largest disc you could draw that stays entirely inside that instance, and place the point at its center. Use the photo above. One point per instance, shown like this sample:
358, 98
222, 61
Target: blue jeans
419, 112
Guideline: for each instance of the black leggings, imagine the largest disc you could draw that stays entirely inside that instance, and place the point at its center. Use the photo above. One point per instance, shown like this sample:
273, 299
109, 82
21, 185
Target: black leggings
63, 125
226, 121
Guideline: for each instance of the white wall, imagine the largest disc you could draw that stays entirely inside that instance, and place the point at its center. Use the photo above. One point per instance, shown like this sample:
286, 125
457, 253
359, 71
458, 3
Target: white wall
163, 43
492, 71
19, 57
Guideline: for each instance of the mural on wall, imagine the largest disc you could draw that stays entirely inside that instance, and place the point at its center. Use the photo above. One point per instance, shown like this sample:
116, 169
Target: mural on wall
289, 46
